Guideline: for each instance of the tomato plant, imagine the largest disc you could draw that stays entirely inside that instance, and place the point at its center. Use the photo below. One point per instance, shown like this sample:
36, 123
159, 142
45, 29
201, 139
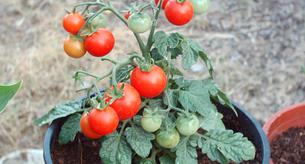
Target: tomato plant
73, 22
150, 83
179, 13
129, 104
168, 138
103, 121
148, 106
86, 129
100, 43
139, 22
200, 6
74, 47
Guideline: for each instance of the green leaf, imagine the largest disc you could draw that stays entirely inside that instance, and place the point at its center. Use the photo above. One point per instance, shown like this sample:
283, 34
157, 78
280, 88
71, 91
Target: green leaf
123, 74
189, 55
194, 97
60, 111
217, 94
303, 69
156, 55
139, 140
69, 129
115, 150
160, 40
185, 152
165, 159
224, 145
207, 62
7, 92
213, 121
173, 40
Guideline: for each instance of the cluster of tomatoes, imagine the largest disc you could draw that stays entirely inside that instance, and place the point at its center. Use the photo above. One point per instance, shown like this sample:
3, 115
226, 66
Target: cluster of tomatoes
98, 44
102, 41
101, 122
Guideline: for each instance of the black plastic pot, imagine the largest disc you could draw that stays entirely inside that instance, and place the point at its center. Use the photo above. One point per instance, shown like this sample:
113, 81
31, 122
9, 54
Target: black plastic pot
250, 126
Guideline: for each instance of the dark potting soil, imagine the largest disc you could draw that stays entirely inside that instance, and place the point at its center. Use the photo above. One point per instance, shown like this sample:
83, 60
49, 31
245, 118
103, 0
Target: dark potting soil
289, 147
80, 151
84, 151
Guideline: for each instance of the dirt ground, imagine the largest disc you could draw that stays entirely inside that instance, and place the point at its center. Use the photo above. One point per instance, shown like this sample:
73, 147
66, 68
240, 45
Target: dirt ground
257, 47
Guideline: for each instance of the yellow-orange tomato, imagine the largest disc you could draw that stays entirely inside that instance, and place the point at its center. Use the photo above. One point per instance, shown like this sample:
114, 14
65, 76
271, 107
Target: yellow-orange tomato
74, 47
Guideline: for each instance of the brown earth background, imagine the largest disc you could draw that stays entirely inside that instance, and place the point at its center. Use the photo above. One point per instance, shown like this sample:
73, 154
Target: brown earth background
257, 47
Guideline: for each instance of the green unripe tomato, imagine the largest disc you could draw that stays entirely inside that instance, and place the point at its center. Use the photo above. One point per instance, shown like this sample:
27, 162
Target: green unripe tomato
151, 122
139, 22
200, 6
99, 22
168, 139
188, 125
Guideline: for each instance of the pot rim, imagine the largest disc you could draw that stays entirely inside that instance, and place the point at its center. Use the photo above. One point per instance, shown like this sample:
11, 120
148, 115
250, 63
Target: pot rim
278, 114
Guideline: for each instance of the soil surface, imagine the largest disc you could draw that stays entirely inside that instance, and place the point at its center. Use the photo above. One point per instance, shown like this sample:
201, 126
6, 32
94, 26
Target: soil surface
289, 147
85, 151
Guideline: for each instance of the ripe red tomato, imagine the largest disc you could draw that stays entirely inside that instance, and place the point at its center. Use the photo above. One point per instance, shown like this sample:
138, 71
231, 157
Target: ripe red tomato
127, 15
103, 121
73, 22
100, 43
86, 129
149, 84
163, 4
129, 105
74, 47
179, 13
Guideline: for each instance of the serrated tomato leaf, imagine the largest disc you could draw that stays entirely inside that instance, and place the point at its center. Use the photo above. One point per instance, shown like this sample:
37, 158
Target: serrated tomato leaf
123, 74
69, 129
139, 140
185, 153
194, 97
60, 111
160, 40
7, 92
225, 145
213, 121
189, 55
115, 150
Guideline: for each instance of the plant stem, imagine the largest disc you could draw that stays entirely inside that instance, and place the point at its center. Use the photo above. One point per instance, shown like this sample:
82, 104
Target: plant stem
153, 28
170, 106
85, 73
123, 127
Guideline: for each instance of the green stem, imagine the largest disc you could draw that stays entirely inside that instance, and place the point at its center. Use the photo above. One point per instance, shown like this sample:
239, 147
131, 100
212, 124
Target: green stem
170, 106
153, 28
123, 127
85, 73
108, 59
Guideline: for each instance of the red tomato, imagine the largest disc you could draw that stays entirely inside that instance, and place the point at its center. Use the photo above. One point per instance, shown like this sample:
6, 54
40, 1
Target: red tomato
73, 22
127, 15
86, 129
163, 4
100, 43
129, 105
179, 13
149, 84
104, 121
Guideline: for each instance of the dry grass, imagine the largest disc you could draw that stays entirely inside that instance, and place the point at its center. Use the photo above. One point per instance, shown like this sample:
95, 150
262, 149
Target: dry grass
259, 71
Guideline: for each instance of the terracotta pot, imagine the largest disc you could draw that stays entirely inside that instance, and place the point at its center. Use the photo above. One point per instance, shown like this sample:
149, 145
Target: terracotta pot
293, 116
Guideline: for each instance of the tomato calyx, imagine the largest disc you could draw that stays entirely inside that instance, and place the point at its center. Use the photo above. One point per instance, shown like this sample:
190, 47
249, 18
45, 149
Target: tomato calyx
180, 1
